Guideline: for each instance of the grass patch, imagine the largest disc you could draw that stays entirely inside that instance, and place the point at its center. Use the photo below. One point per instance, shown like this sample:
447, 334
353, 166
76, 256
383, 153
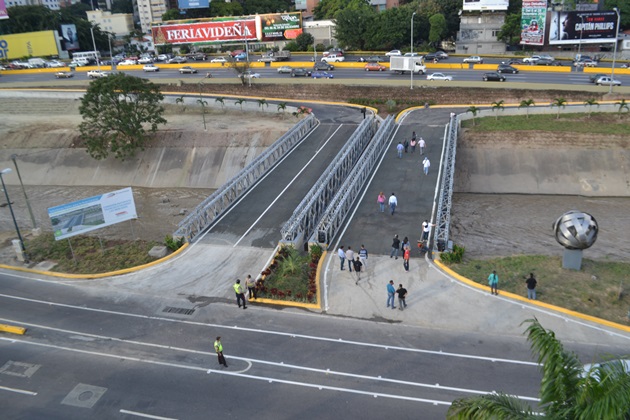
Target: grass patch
600, 289
90, 257
598, 123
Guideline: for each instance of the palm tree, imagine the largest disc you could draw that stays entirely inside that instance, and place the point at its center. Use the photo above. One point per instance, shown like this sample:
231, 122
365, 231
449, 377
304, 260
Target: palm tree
180, 100
560, 103
496, 107
239, 101
566, 392
590, 102
262, 103
203, 104
622, 105
282, 106
526, 104
221, 101
474, 111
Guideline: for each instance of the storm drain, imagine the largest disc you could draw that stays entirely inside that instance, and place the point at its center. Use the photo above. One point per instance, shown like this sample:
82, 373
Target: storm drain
178, 311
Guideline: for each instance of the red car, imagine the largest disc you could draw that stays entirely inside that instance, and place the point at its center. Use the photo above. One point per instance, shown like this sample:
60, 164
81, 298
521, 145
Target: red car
374, 67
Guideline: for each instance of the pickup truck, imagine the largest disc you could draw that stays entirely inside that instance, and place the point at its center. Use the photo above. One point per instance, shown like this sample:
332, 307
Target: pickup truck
96, 74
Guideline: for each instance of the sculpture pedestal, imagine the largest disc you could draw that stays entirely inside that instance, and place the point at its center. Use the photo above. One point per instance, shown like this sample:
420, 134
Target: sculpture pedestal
572, 259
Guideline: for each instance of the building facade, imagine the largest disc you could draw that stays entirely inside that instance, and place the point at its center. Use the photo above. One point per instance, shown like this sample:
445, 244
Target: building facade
120, 24
151, 11
478, 33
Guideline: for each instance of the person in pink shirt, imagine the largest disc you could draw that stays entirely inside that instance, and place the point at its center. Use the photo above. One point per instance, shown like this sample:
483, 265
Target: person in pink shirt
381, 201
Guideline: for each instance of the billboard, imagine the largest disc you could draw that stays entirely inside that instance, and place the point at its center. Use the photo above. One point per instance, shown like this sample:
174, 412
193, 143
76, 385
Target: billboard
3, 10
267, 27
193, 4
36, 44
486, 5
582, 27
69, 37
92, 213
533, 17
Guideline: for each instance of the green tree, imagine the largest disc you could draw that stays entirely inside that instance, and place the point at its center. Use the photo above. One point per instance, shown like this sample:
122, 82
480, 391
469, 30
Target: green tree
622, 105
474, 110
354, 27
496, 107
560, 103
180, 100
282, 106
239, 101
327, 9
221, 8
438, 28
565, 392
526, 104
262, 103
221, 101
304, 40
252, 7
119, 114
590, 102
122, 6
510, 32
203, 103
171, 14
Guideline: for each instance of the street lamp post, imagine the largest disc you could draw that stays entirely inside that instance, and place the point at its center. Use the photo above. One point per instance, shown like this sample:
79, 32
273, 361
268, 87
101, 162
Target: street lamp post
6, 194
28, 204
413, 67
612, 73
98, 62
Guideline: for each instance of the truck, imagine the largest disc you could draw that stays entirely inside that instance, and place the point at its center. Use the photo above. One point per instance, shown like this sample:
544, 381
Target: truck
404, 65
272, 56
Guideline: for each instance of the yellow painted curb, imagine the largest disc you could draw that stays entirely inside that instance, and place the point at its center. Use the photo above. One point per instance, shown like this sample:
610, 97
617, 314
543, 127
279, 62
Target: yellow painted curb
99, 275
12, 329
533, 302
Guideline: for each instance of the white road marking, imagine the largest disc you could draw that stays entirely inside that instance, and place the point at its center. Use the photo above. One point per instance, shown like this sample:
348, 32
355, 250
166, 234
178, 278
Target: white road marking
147, 416
18, 391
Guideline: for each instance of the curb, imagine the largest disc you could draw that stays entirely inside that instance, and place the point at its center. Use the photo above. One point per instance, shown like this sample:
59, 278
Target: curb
12, 329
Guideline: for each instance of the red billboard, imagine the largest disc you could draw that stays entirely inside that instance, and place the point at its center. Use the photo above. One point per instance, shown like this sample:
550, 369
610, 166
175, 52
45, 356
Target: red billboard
209, 31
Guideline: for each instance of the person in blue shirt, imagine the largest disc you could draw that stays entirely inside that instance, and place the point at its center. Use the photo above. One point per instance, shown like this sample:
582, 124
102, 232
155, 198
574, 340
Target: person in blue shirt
391, 291
493, 281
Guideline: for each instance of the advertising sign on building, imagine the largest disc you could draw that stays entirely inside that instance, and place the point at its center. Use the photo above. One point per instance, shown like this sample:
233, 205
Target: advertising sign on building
69, 36
3, 10
193, 4
34, 44
470, 5
92, 213
582, 27
280, 26
533, 17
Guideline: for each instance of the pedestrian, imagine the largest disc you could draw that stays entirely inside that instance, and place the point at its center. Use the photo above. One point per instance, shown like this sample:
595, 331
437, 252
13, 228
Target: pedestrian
393, 202
363, 254
413, 136
426, 227
406, 256
402, 294
250, 283
391, 291
406, 145
350, 258
395, 247
218, 347
426, 164
531, 286
381, 201
493, 281
357, 269
240, 296
400, 149
404, 244
413, 143
342, 256
422, 144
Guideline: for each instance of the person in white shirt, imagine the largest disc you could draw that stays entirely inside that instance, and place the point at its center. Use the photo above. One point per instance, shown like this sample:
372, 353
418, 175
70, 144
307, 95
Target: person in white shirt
422, 144
393, 202
350, 258
426, 164
342, 256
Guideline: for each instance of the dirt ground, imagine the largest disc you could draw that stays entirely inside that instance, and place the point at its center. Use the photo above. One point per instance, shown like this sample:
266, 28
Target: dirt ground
487, 225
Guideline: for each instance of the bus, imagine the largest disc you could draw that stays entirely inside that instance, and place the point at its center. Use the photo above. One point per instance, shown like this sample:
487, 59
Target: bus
89, 56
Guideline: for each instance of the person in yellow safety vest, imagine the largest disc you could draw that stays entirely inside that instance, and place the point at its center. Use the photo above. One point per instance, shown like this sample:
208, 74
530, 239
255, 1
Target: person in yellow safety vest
218, 347
238, 289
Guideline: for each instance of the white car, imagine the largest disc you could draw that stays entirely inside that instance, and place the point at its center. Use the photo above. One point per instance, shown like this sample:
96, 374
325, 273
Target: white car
333, 58
473, 59
605, 80
97, 74
163, 57
145, 60
150, 67
55, 64
531, 60
393, 53
410, 54
439, 76
219, 60
128, 63
249, 75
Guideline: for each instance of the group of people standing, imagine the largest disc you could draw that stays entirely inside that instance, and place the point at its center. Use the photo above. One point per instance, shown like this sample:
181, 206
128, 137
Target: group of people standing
356, 263
392, 291
403, 147
250, 284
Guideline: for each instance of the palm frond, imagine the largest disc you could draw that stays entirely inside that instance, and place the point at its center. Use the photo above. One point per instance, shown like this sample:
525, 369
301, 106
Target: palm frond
491, 406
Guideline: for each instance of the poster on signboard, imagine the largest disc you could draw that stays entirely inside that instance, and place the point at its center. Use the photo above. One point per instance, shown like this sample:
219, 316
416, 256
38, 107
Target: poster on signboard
28, 44
92, 213
193, 4
533, 16
279, 26
205, 30
470, 5
582, 27
3, 10
69, 36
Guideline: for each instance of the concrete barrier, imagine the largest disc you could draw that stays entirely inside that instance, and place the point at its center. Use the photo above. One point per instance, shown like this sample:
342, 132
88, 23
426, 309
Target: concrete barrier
12, 329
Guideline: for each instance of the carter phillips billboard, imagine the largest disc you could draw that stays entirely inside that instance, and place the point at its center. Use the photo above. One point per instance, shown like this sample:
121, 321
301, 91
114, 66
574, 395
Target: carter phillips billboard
269, 27
582, 27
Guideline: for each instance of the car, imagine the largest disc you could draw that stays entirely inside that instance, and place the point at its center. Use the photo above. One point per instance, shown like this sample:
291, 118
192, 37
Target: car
374, 67
323, 66
493, 77
607, 80
285, 69
531, 60
625, 65
333, 58
513, 61
145, 60
177, 60
505, 68
128, 62
187, 70
21, 64
64, 75
547, 57
163, 57
585, 62
439, 76
591, 369
593, 77
411, 54
473, 59
546, 62
97, 74
393, 53
248, 74
438, 55
300, 72
241, 56
78, 64
197, 56
150, 67
322, 75
371, 59
219, 60
337, 51
55, 64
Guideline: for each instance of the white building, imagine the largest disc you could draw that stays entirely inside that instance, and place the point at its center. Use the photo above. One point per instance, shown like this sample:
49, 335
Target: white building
151, 11
51, 4
120, 24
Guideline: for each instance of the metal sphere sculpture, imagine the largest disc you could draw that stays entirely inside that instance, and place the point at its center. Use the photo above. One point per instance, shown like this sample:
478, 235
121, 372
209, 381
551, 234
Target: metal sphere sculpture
576, 230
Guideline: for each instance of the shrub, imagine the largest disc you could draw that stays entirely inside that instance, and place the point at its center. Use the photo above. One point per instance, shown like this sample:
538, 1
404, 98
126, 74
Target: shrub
454, 257
174, 244
391, 105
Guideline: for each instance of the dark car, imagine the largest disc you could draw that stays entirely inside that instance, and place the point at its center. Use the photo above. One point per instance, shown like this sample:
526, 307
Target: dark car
372, 58
493, 77
439, 55
513, 61
548, 62
323, 66
300, 72
593, 77
504, 68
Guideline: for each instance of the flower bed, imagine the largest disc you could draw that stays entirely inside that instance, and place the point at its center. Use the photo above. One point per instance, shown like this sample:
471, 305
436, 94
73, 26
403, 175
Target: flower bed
291, 276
